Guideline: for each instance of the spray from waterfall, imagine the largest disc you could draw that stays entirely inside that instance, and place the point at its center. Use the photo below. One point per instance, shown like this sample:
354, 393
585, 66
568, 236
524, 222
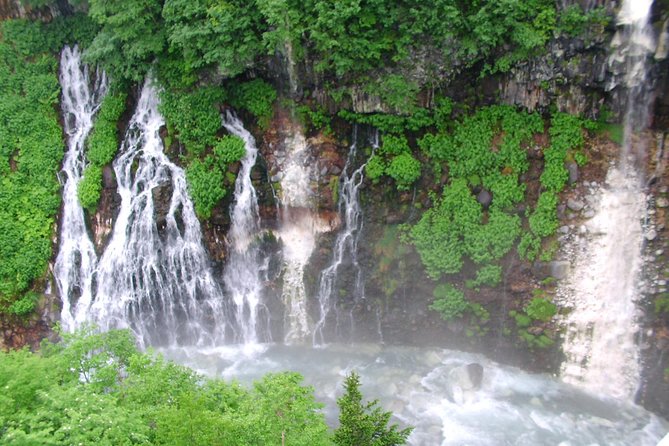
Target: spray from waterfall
76, 258
242, 276
154, 276
600, 348
331, 323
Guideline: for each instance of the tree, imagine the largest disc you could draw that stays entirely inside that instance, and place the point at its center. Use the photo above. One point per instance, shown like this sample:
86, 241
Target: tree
365, 424
132, 36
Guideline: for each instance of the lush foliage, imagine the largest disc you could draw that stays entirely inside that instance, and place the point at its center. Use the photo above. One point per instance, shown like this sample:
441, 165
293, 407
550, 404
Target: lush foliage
193, 116
132, 34
31, 150
364, 424
394, 159
207, 176
102, 144
225, 35
449, 302
541, 309
90, 187
484, 149
98, 389
256, 96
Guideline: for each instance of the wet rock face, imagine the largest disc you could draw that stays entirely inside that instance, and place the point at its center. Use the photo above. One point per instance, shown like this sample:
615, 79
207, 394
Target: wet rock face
324, 156
572, 74
110, 201
17, 332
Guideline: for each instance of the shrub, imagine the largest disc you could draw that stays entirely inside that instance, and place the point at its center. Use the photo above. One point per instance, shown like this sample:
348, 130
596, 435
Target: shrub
205, 184
194, 116
440, 234
90, 187
404, 169
25, 305
229, 149
103, 140
449, 302
541, 309
375, 168
256, 96
31, 151
488, 275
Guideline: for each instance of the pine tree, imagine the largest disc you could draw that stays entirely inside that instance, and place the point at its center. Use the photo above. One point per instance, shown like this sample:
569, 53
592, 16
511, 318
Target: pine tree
365, 424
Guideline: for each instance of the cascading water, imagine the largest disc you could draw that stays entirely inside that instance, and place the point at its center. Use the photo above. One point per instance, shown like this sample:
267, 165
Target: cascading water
242, 276
345, 250
600, 348
76, 259
154, 277
298, 235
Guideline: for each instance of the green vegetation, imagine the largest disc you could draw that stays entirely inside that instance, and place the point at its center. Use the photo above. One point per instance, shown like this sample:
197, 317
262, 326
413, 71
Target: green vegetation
364, 424
102, 144
567, 139
206, 178
193, 116
256, 96
90, 187
97, 388
449, 302
484, 149
539, 310
31, 150
576, 22
394, 159
390, 250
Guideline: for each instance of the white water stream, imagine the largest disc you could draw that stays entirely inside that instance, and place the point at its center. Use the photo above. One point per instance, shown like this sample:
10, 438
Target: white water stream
155, 280
298, 230
76, 258
332, 324
601, 351
244, 269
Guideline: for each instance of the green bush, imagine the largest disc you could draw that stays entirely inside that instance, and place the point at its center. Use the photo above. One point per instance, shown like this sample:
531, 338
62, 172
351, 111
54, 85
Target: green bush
543, 220
90, 187
256, 96
488, 275
229, 149
375, 168
31, 151
394, 145
205, 184
97, 388
103, 140
541, 309
193, 116
25, 305
132, 35
396, 91
440, 234
449, 302
391, 124
404, 169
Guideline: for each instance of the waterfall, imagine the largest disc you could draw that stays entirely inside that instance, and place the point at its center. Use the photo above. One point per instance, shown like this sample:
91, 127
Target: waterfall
154, 276
297, 232
76, 258
345, 247
599, 343
242, 276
